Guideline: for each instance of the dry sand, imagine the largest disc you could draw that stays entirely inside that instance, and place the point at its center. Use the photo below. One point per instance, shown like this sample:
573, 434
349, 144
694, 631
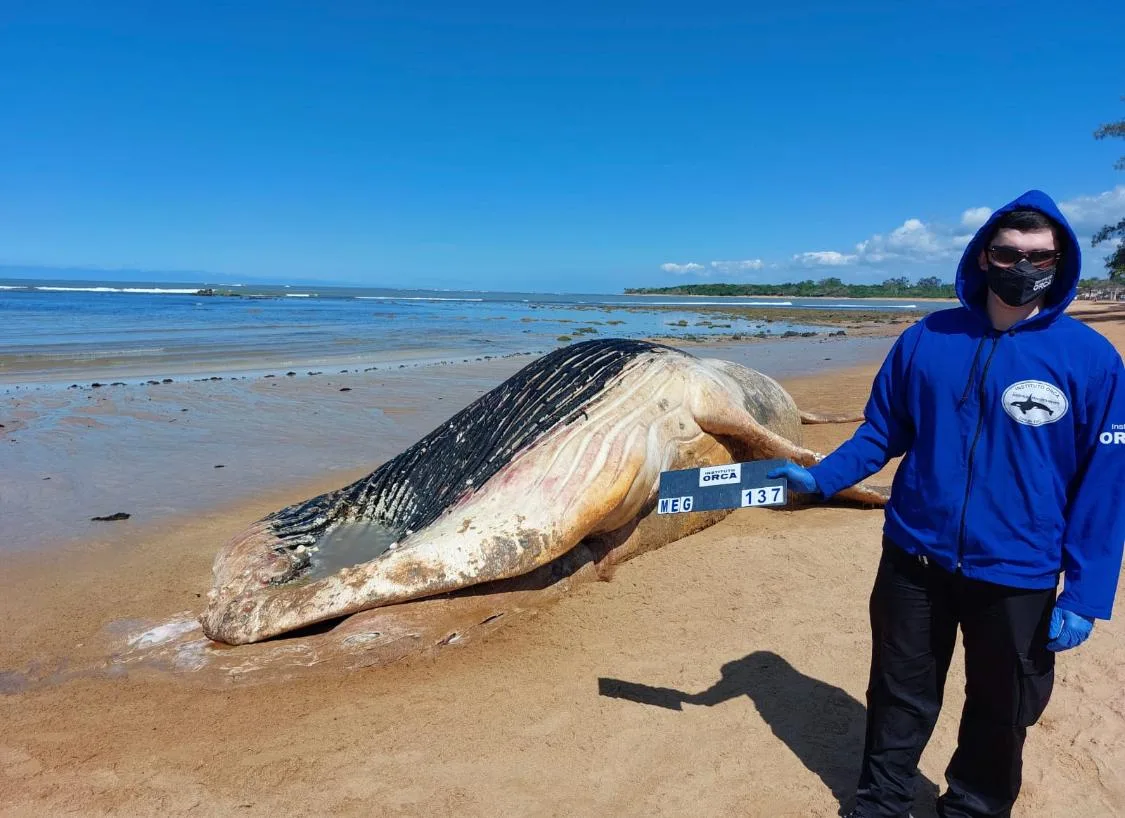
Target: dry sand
720, 675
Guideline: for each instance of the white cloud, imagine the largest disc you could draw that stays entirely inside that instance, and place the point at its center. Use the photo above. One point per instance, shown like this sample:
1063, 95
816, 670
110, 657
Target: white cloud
740, 266
826, 258
919, 243
913, 240
690, 267
737, 266
1095, 211
974, 217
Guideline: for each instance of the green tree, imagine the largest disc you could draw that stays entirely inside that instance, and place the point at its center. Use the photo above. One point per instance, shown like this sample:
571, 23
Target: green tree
831, 286
1115, 264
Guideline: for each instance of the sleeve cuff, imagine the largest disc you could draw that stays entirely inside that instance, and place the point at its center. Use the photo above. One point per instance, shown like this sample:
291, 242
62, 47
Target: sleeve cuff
827, 482
1069, 603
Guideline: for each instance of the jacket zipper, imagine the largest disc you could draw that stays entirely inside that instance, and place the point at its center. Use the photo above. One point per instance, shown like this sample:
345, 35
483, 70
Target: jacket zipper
972, 451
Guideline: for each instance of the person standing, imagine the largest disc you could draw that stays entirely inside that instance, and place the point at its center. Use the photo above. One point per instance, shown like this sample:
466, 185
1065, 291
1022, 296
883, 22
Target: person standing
1009, 418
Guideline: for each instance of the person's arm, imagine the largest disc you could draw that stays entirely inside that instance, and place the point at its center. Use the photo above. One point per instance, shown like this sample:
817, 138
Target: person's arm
887, 430
1095, 529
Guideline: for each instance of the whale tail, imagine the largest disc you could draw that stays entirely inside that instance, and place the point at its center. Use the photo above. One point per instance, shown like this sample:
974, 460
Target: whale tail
818, 417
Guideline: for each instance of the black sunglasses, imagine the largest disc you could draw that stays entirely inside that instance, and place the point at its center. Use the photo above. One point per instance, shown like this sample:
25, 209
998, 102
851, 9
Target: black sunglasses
1005, 256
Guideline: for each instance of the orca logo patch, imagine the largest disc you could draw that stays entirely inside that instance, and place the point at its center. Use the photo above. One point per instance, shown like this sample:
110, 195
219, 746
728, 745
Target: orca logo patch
1034, 403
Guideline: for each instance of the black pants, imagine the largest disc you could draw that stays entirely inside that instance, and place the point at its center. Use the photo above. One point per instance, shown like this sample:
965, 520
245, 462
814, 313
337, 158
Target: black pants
915, 611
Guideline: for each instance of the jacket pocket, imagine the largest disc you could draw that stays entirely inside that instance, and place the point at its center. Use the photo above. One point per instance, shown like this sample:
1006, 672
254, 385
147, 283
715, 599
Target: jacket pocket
910, 495
1035, 679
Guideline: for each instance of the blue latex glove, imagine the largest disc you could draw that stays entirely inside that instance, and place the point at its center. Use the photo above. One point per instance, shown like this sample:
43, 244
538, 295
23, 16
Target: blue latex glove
1068, 629
798, 477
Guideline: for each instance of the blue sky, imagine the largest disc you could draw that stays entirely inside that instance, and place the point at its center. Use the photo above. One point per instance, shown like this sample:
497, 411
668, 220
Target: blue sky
579, 146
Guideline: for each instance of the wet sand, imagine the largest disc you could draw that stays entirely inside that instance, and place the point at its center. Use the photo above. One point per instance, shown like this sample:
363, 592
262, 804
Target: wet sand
720, 675
177, 448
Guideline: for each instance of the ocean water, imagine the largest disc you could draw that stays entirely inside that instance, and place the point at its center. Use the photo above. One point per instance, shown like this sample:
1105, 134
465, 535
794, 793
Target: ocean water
171, 450
73, 331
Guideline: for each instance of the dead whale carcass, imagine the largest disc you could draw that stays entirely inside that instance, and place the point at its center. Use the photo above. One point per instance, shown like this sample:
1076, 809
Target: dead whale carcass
569, 449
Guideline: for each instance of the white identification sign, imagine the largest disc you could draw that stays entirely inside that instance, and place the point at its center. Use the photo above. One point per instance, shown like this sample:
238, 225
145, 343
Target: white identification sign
710, 488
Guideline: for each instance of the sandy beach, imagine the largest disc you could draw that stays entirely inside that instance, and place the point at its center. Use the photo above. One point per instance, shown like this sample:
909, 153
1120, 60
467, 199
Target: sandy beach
723, 674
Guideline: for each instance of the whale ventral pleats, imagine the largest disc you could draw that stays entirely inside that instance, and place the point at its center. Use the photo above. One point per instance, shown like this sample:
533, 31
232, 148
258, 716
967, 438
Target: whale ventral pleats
410, 491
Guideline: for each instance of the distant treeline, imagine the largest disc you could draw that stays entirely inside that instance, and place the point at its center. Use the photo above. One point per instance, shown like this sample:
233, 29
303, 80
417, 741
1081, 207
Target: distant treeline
931, 287
1098, 283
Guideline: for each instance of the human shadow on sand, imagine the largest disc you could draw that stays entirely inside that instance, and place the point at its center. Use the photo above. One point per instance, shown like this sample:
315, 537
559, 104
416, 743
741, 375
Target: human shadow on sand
822, 724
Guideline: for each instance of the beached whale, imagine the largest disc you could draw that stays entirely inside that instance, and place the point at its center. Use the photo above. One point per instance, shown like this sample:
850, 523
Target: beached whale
559, 462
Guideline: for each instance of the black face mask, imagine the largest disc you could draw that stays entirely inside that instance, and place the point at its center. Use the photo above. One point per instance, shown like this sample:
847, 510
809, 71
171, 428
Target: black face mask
1021, 283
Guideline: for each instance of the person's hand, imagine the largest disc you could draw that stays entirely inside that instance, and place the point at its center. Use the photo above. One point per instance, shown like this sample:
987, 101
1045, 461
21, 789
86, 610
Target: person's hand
798, 477
1068, 629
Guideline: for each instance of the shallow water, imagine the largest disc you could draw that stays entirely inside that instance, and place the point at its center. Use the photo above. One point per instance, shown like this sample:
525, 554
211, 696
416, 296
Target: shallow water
90, 331
155, 451
348, 544
188, 447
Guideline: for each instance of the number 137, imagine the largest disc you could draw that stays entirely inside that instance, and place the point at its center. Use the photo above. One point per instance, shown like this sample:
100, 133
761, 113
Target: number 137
762, 496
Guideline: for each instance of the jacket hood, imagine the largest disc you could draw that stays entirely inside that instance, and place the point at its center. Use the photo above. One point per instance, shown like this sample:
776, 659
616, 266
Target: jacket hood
972, 285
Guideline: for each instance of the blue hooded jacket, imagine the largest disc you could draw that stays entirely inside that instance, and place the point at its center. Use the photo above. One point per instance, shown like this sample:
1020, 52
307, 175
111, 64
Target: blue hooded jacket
1012, 443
